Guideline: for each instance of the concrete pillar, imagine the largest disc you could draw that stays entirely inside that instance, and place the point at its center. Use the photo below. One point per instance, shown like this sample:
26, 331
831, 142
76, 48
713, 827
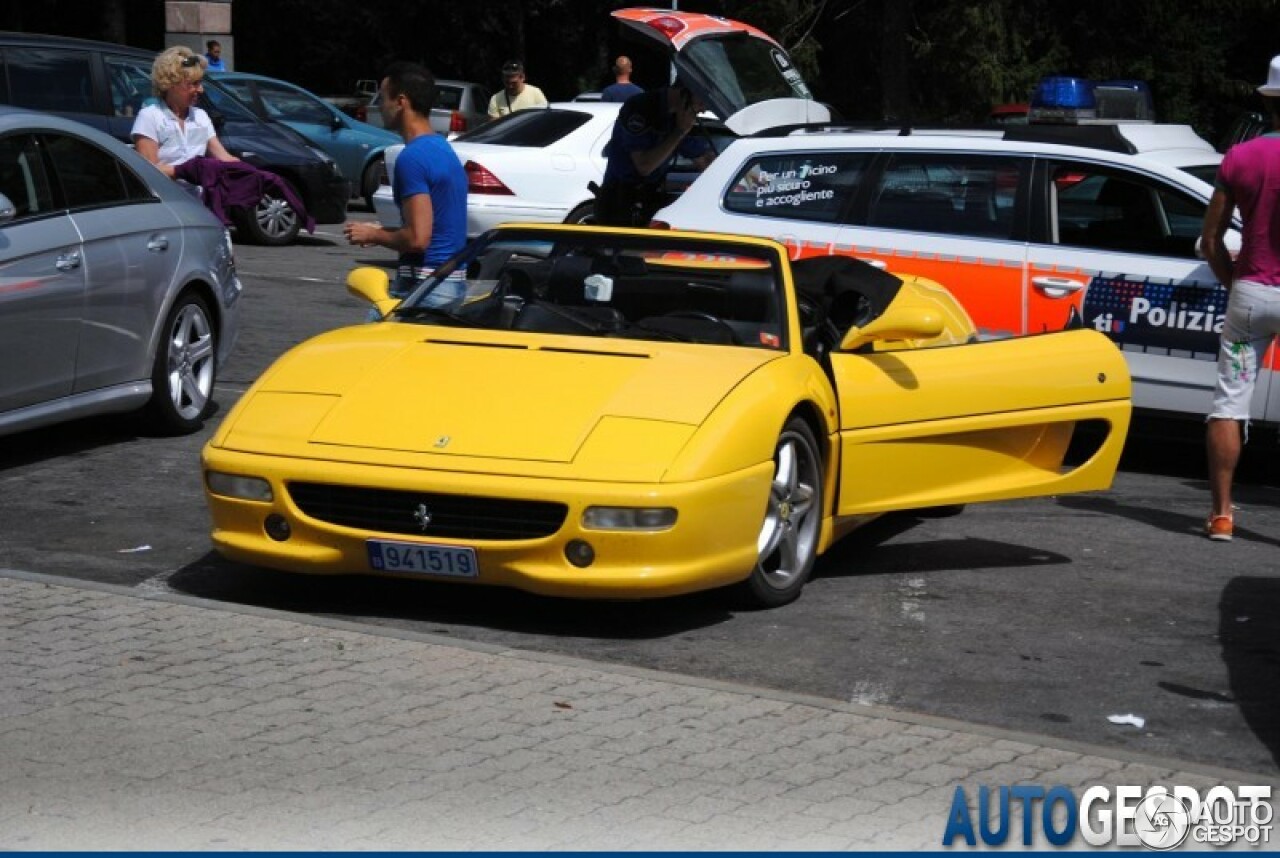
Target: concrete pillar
193, 22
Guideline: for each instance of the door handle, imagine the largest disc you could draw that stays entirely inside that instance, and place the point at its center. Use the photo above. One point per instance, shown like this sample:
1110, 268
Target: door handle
1057, 287
158, 243
68, 261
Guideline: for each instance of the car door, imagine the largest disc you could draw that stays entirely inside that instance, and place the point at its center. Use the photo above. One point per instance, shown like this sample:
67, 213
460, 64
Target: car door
42, 281
132, 244
1118, 255
981, 421
955, 217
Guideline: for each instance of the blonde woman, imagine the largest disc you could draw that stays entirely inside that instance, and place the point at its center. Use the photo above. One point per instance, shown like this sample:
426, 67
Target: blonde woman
175, 130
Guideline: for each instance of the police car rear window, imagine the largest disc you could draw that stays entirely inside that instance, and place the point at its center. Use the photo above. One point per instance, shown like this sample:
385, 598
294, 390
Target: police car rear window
532, 128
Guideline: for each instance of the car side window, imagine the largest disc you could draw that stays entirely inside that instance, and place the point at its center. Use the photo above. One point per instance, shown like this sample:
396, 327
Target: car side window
291, 105
812, 186
960, 194
91, 177
50, 79
22, 177
1113, 210
130, 87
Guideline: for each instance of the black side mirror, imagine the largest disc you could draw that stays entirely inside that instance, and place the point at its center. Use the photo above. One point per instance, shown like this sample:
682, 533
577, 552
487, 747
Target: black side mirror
337, 123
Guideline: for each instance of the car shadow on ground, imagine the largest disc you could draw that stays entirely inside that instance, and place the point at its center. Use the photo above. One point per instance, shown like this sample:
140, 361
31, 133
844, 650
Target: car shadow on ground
1249, 631
363, 597
864, 552
76, 437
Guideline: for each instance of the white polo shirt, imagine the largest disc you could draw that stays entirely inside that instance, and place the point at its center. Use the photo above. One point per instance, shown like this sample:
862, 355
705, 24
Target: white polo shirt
177, 144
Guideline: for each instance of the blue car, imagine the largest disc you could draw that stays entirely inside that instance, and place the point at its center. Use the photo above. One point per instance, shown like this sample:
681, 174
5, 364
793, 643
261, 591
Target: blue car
355, 146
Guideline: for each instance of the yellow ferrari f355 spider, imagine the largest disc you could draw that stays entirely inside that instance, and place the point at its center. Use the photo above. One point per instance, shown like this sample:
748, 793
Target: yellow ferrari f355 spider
615, 413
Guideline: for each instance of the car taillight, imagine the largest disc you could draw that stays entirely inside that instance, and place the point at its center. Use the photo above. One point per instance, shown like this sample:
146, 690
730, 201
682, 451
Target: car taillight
659, 224
481, 181
668, 26
362, 113
457, 123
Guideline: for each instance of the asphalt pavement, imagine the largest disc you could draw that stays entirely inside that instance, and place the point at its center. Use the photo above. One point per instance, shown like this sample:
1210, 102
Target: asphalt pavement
156, 721
156, 697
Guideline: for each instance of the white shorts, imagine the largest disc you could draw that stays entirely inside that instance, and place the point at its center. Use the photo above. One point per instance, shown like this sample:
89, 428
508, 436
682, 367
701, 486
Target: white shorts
1253, 318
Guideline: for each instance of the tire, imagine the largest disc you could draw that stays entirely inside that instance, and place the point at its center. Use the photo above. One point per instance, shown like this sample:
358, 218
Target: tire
585, 213
273, 222
788, 540
185, 368
370, 181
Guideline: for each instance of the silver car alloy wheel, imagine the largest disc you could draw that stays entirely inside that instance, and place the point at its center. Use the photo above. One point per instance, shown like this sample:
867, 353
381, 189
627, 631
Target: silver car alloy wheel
190, 362
275, 216
788, 538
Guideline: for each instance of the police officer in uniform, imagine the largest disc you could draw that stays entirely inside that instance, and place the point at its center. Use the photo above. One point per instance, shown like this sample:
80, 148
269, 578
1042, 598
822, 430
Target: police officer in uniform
650, 130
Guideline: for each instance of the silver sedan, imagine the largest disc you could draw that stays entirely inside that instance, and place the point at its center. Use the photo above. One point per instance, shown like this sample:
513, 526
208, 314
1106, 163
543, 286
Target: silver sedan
118, 289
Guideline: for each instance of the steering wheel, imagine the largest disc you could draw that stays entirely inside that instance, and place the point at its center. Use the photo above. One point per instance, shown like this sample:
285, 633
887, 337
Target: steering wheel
706, 317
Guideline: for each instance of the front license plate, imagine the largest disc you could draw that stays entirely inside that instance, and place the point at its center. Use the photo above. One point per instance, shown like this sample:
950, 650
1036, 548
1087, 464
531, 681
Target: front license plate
446, 560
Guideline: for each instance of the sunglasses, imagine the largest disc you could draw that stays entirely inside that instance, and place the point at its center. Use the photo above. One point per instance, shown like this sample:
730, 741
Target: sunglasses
189, 62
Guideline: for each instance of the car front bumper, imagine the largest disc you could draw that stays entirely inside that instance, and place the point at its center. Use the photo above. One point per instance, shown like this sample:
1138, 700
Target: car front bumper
713, 542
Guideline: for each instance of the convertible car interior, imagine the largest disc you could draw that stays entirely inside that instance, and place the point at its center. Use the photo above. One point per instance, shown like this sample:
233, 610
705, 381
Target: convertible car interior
594, 288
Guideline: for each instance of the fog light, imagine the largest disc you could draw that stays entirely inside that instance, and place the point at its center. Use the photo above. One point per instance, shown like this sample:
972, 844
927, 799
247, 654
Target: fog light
580, 553
628, 518
236, 486
277, 527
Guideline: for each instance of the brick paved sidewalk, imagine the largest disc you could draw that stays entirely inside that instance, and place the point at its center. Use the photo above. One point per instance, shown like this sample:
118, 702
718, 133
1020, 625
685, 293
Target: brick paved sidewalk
166, 722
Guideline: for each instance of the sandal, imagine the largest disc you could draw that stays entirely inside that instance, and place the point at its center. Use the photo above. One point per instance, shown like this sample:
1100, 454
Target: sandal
1219, 527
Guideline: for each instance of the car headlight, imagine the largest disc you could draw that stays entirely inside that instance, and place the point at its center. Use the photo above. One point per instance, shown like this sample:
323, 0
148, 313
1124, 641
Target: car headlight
328, 162
237, 486
628, 518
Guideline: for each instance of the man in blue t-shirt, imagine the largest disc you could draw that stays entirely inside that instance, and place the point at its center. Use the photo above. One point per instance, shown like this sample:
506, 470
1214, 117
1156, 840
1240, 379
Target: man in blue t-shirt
429, 186
650, 130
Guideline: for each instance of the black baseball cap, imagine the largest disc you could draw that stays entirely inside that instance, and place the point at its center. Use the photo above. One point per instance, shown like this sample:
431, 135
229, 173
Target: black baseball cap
513, 67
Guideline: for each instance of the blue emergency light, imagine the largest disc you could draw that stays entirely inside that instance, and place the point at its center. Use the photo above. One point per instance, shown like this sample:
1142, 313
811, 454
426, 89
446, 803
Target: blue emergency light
1077, 100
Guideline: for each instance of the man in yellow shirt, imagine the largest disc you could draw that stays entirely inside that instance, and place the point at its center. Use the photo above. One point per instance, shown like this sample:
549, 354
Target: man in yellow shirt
515, 94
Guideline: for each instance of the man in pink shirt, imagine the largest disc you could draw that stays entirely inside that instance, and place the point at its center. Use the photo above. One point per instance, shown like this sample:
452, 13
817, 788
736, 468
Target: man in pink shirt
1248, 179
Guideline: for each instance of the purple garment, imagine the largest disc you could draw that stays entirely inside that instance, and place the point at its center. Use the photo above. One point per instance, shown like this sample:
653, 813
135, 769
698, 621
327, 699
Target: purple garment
236, 184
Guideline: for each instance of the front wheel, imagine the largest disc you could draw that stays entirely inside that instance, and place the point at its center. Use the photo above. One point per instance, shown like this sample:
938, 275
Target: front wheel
272, 221
788, 542
185, 368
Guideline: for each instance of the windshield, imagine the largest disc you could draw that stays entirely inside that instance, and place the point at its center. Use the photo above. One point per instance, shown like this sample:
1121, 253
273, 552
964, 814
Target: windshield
225, 103
599, 284
738, 70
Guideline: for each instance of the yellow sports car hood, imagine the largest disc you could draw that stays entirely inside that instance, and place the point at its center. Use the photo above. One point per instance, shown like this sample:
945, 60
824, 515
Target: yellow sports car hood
483, 394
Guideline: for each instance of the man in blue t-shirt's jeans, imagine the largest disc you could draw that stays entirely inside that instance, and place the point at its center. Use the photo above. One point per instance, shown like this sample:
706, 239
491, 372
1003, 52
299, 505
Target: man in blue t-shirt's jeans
429, 186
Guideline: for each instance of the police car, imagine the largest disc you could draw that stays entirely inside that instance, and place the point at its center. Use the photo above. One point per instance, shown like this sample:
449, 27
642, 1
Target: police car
1083, 222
